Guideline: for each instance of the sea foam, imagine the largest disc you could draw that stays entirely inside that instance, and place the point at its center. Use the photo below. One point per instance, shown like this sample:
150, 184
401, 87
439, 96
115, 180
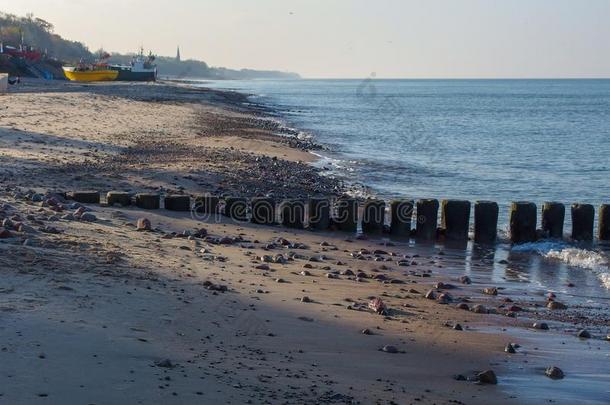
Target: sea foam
572, 256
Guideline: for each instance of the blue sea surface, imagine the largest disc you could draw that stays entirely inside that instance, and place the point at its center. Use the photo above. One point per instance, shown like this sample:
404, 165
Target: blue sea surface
500, 140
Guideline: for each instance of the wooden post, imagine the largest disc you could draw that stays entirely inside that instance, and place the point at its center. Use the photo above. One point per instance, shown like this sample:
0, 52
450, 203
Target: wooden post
293, 214
236, 208
319, 213
347, 214
373, 216
118, 197
177, 202
207, 204
583, 216
85, 197
263, 211
522, 222
553, 216
427, 218
486, 222
401, 213
455, 219
148, 201
604, 222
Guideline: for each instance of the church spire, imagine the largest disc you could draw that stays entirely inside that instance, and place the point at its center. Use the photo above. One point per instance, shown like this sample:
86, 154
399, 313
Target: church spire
178, 54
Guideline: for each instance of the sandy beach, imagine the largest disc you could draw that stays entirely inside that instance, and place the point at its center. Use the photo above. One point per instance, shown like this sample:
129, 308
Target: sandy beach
202, 310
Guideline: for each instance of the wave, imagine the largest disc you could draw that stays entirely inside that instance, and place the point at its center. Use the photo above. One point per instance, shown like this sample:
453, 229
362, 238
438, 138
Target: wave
572, 256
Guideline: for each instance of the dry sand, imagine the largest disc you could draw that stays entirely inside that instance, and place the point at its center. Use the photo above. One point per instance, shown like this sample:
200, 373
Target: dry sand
102, 313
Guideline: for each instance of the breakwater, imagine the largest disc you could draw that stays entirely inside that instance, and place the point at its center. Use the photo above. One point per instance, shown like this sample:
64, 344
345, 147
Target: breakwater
424, 219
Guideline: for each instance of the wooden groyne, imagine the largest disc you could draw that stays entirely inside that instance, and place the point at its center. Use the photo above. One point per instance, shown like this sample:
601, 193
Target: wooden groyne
348, 215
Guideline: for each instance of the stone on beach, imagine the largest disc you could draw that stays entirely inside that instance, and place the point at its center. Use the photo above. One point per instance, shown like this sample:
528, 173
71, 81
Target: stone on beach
465, 280
431, 295
554, 373
583, 334
88, 217
490, 291
480, 309
556, 305
487, 377
143, 224
377, 305
540, 325
5, 234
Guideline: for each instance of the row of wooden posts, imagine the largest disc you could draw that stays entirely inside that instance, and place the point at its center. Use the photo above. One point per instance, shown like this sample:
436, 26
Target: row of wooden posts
343, 214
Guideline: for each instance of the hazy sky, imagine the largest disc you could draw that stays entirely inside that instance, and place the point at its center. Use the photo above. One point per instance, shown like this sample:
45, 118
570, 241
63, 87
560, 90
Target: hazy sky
350, 38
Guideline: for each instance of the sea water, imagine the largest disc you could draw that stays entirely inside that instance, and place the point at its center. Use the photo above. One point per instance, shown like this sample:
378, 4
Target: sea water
499, 140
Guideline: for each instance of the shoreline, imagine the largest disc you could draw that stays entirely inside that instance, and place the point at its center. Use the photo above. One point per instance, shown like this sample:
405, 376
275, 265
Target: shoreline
108, 305
361, 191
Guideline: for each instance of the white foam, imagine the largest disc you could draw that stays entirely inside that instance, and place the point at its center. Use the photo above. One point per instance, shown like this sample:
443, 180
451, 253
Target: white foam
561, 251
585, 259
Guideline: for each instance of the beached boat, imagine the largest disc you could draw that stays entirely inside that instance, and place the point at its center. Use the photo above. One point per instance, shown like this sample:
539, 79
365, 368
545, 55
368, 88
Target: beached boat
141, 69
90, 74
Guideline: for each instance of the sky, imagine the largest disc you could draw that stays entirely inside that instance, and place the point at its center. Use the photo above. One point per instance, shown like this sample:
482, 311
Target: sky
350, 38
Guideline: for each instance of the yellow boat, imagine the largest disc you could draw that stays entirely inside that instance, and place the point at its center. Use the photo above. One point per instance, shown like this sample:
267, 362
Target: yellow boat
93, 75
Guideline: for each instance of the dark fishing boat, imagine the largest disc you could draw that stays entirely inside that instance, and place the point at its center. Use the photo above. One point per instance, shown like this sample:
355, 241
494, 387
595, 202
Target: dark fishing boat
141, 69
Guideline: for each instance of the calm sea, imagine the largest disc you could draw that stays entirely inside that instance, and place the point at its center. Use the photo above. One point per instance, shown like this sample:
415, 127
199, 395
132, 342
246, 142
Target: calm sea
500, 140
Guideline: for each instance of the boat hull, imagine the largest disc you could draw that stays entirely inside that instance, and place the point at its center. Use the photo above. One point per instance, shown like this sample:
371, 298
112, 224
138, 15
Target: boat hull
128, 75
91, 75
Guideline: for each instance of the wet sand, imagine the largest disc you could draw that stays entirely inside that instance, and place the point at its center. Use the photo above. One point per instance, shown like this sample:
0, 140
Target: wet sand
99, 312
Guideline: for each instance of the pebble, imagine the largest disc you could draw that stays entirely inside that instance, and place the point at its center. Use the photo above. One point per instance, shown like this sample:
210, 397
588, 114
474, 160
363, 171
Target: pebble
366, 332
226, 241
510, 348
143, 224
554, 373
4, 233
444, 298
389, 349
556, 305
465, 280
167, 363
305, 273
377, 305
463, 305
457, 326
540, 325
583, 334
305, 299
479, 309
262, 267
431, 295
487, 377
514, 308
491, 291
88, 217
